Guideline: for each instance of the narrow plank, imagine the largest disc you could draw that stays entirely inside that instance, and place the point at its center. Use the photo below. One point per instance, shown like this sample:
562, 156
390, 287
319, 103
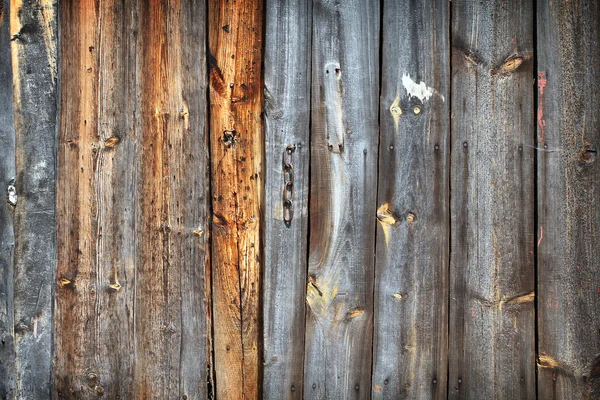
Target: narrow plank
568, 198
95, 227
172, 227
492, 334
7, 237
237, 146
33, 27
132, 319
411, 281
287, 111
344, 140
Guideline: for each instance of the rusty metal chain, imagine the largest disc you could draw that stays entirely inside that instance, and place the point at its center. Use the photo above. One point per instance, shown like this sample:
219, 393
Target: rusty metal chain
288, 189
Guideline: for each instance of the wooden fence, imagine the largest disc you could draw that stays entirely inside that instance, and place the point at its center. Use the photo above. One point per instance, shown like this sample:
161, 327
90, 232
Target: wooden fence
321, 199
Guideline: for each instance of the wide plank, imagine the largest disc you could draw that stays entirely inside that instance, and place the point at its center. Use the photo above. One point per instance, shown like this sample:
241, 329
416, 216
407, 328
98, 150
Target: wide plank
492, 315
568, 136
237, 147
344, 147
287, 123
171, 326
411, 273
33, 32
96, 231
132, 317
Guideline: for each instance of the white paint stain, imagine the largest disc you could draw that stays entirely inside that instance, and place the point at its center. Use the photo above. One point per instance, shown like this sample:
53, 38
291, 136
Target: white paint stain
12, 195
419, 90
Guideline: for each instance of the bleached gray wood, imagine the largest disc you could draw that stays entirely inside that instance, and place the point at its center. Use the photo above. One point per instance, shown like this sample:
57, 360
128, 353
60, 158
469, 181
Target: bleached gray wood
34, 56
287, 122
492, 334
7, 238
568, 44
344, 139
411, 273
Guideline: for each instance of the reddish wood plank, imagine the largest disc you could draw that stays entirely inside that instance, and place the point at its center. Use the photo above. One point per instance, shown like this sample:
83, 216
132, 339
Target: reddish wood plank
237, 147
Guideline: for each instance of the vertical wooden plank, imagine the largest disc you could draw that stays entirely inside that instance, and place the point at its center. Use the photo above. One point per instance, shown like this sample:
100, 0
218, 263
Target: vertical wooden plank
82, 287
344, 139
133, 202
411, 283
287, 113
7, 237
568, 197
96, 227
171, 328
492, 332
235, 41
33, 34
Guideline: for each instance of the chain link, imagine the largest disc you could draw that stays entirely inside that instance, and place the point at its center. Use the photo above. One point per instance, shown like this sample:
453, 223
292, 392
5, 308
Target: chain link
288, 189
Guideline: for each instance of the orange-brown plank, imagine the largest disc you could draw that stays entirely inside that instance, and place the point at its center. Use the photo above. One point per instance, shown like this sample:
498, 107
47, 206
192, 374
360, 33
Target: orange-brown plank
235, 35
131, 316
79, 297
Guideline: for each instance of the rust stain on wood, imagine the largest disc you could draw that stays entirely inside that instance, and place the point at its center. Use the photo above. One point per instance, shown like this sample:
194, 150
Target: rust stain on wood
237, 146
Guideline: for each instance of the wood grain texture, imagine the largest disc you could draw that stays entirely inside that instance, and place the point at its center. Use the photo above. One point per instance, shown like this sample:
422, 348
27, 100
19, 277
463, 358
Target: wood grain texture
172, 215
287, 122
95, 277
33, 31
411, 281
568, 199
132, 318
492, 334
7, 237
237, 147
344, 140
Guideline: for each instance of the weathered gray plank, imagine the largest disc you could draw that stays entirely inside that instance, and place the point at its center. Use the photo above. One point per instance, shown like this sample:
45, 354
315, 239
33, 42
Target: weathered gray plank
568, 199
411, 282
34, 59
7, 238
287, 106
344, 139
492, 345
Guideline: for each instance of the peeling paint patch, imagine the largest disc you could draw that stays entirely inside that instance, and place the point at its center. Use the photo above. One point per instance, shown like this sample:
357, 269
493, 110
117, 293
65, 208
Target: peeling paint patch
12, 194
419, 90
386, 218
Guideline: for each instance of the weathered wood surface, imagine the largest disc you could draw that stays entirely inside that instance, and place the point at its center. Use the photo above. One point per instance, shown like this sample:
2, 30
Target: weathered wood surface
237, 146
33, 31
287, 122
7, 237
411, 281
95, 277
173, 207
131, 315
568, 199
344, 140
492, 334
